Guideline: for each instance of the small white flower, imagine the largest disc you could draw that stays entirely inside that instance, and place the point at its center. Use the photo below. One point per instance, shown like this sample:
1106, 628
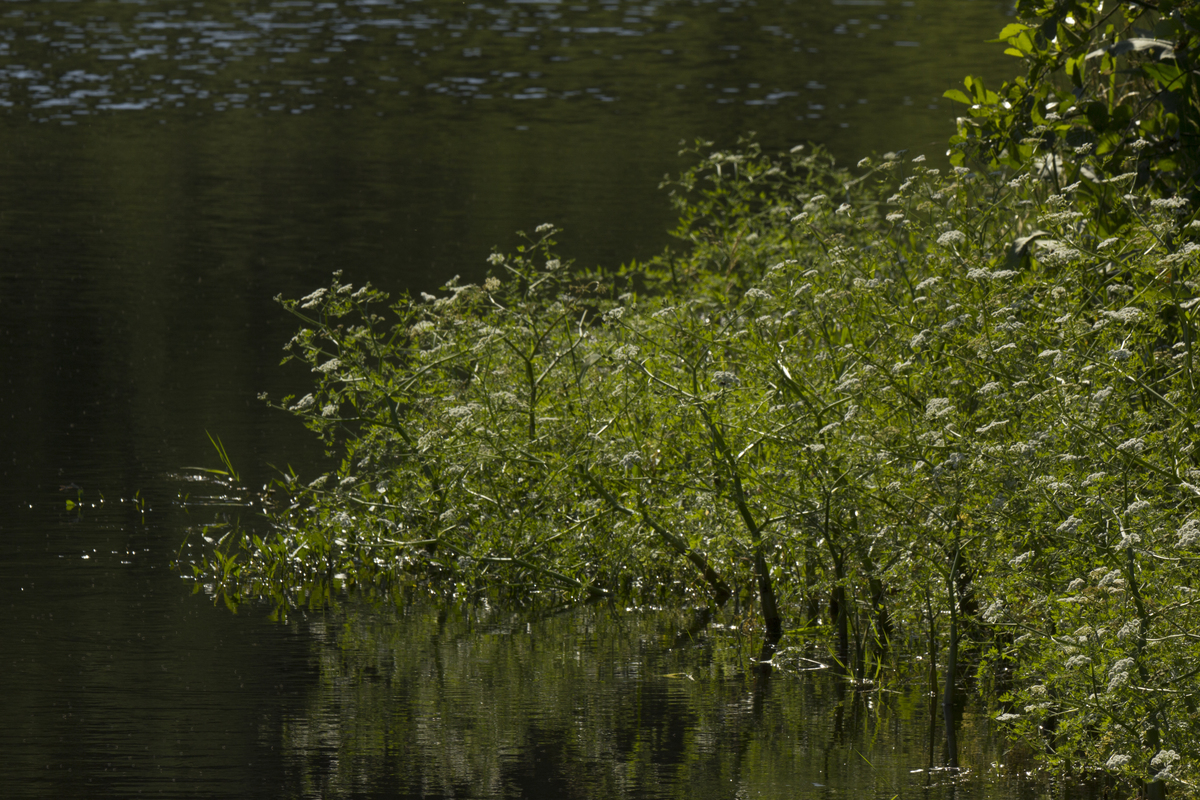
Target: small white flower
725, 380
1021, 559
1117, 761
1071, 525
329, 366
755, 293
1134, 445
1189, 533
1127, 315
311, 300
952, 239
1112, 580
1129, 629
304, 402
1128, 540
545, 226
894, 217
627, 352
1164, 758
938, 407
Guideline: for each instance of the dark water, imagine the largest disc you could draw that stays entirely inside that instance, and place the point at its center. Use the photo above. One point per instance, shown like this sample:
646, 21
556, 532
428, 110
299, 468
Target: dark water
168, 168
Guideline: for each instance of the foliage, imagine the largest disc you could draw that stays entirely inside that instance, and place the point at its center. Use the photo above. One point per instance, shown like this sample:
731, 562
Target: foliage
868, 416
1117, 81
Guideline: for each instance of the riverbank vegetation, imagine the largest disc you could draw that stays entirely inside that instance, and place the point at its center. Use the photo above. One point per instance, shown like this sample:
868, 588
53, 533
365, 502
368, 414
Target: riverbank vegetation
954, 409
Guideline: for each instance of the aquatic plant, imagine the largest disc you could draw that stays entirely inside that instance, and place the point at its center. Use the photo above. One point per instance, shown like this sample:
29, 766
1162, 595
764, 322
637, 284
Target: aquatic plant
955, 408
888, 405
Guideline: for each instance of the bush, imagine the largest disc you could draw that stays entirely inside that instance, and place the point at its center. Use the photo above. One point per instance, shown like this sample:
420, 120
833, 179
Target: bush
872, 406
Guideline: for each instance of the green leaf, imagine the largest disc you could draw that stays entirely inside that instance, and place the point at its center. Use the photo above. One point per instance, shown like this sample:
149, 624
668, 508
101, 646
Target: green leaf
1167, 75
1009, 30
957, 96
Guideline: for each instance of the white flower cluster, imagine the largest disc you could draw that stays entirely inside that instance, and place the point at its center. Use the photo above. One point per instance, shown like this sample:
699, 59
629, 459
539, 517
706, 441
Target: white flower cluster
1117, 761
1056, 254
304, 402
1130, 629
1118, 677
1134, 445
1127, 315
1189, 533
938, 407
1071, 525
311, 300
952, 239
627, 352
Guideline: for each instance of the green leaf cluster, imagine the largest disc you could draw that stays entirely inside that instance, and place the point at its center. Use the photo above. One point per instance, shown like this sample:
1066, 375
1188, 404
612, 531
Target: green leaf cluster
1117, 81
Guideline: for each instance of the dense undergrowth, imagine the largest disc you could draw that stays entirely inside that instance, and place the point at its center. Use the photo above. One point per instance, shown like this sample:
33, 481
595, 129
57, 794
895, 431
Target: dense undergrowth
877, 404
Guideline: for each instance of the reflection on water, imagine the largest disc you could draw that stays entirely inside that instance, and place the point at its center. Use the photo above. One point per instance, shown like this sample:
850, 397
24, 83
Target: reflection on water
601, 703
